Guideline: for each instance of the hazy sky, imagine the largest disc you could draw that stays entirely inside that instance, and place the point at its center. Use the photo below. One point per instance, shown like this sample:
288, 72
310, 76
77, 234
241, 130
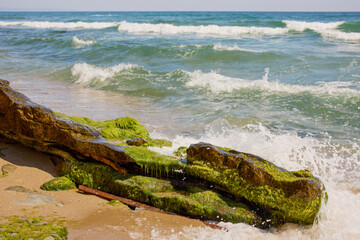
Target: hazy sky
182, 5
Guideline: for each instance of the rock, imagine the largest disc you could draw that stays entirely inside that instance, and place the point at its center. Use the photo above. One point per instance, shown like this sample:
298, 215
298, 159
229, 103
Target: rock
58, 184
214, 183
38, 127
1, 154
35, 199
18, 189
162, 193
120, 129
283, 196
136, 141
8, 168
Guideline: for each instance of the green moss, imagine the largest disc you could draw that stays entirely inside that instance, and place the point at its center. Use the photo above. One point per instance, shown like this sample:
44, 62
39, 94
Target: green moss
194, 202
153, 163
158, 143
58, 184
116, 203
281, 207
31, 228
303, 174
180, 152
120, 129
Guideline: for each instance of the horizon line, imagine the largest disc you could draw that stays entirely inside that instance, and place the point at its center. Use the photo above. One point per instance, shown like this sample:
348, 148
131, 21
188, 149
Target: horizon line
63, 10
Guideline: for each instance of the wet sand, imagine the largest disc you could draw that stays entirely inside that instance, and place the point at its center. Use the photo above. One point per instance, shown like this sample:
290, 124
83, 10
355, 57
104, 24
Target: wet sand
87, 216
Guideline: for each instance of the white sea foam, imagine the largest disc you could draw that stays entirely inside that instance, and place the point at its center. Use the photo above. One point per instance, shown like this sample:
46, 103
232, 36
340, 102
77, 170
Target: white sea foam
86, 73
327, 30
218, 83
336, 165
79, 42
220, 47
207, 30
60, 25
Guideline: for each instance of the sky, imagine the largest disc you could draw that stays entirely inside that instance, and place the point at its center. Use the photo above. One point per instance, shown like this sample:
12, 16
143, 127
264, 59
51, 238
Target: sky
180, 5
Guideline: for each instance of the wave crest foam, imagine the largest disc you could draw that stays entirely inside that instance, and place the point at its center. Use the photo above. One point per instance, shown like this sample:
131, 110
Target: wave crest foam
218, 83
86, 73
79, 42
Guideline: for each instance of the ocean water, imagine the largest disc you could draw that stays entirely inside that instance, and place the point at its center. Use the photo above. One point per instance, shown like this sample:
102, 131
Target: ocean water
284, 86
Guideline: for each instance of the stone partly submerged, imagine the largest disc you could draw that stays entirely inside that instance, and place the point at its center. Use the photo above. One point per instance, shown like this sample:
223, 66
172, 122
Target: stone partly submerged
209, 182
281, 195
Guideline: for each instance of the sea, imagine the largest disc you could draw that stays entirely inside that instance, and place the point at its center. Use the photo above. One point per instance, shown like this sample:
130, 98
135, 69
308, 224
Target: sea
282, 85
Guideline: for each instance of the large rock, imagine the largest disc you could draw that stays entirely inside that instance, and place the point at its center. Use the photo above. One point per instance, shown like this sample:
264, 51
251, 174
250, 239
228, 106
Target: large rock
36, 126
282, 196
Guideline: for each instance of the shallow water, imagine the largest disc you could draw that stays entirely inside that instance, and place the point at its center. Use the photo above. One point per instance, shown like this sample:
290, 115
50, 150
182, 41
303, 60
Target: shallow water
284, 86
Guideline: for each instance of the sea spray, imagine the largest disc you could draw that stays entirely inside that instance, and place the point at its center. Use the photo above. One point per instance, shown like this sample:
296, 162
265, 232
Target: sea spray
336, 164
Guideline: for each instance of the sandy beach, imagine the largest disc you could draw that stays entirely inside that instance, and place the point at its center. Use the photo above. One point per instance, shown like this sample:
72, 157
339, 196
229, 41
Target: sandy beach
86, 216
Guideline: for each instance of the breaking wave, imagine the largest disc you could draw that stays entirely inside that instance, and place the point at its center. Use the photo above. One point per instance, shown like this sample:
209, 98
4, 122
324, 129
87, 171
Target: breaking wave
218, 83
60, 25
335, 164
79, 42
327, 30
220, 47
86, 73
212, 30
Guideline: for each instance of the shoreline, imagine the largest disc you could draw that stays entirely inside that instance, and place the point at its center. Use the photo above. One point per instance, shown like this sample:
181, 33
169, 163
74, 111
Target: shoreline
99, 219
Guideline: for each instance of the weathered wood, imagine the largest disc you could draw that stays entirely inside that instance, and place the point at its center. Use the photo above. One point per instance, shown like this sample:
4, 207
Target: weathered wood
132, 203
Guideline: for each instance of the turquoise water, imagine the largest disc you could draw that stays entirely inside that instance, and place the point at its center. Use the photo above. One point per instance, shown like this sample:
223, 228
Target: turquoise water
285, 86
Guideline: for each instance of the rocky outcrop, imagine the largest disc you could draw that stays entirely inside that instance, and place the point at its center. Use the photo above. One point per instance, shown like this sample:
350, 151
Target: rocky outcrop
282, 195
214, 183
38, 127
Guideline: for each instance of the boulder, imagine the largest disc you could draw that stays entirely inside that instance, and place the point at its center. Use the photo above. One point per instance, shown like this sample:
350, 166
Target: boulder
281, 195
39, 127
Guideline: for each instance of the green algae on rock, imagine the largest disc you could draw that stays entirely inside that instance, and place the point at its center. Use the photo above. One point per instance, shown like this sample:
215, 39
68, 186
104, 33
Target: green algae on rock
16, 227
194, 202
58, 184
276, 194
284, 196
180, 152
154, 164
120, 129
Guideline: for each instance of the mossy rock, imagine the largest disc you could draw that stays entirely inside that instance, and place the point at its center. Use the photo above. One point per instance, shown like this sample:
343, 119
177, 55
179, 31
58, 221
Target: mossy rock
154, 164
58, 184
193, 202
284, 196
16, 227
120, 129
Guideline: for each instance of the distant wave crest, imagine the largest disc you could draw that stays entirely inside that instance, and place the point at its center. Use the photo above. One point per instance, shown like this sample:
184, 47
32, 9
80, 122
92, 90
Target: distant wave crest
79, 42
59, 25
327, 30
212, 30
220, 47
